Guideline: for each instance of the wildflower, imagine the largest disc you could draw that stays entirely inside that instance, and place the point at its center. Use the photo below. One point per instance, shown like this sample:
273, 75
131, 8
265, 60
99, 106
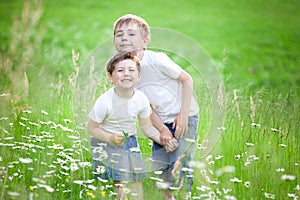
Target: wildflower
255, 125
190, 140
235, 180
44, 112
247, 184
102, 180
211, 162
73, 137
275, 130
221, 128
126, 190
31, 188
238, 156
269, 195
25, 160
79, 182
13, 194
230, 197
279, 170
203, 188
39, 180
208, 157
174, 188
22, 124
225, 169
27, 111
48, 188
100, 169
185, 169
74, 167
92, 187
158, 172
112, 194
67, 121
85, 164
103, 193
201, 147
214, 182
292, 196
226, 191
135, 149
288, 177
249, 144
282, 145
219, 157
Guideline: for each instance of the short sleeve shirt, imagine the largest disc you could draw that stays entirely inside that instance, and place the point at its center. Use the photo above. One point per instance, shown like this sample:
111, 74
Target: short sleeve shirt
159, 83
118, 115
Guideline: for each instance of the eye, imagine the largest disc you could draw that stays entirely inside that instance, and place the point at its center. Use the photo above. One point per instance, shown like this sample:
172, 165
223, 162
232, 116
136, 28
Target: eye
119, 35
132, 34
120, 70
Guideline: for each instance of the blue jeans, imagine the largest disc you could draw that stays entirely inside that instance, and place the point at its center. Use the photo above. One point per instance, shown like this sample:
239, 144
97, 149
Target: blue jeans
172, 163
122, 163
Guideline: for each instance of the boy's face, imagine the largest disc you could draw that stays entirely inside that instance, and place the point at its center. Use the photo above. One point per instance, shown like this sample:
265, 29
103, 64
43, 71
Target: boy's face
125, 74
129, 38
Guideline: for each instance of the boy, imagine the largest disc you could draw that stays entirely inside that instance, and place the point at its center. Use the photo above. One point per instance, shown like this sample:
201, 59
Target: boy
170, 91
113, 116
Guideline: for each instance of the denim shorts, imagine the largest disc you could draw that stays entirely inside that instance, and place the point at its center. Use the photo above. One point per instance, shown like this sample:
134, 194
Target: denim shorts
122, 163
166, 162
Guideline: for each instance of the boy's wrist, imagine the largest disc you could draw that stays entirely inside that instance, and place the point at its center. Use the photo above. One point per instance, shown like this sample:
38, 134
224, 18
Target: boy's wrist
161, 128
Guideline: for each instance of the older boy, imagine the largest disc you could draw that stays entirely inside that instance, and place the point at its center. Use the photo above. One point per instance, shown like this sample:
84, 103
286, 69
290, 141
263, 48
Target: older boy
170, 91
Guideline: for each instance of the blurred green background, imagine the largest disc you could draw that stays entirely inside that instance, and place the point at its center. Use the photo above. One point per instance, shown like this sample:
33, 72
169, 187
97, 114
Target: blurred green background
255, 43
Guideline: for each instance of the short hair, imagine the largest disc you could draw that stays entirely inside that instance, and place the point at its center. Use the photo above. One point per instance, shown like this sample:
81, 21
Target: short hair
120, 56
130, 18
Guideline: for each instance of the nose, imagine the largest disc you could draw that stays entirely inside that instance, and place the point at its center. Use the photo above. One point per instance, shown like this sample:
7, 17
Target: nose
124, 37
126, 72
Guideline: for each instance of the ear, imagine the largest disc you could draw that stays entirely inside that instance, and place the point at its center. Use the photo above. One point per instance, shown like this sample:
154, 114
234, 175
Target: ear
145, 42
139, 76
109, 77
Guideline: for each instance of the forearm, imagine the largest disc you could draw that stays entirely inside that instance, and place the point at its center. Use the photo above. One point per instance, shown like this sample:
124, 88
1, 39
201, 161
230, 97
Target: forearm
187, 93
97, 132
152, 133
156, 122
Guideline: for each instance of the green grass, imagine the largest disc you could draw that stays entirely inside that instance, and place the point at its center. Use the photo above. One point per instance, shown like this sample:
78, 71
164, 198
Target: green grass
255, 46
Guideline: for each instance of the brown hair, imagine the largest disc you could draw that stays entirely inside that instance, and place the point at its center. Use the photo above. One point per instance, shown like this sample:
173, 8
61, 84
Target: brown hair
130, 18
113, 61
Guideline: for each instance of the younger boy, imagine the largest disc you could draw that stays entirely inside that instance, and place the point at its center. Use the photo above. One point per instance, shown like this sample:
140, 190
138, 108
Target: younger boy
113, 116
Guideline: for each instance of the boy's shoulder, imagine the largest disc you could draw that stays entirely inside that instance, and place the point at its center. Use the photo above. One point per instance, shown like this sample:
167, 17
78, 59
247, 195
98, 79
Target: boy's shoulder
154, 56
151, 53
106, 95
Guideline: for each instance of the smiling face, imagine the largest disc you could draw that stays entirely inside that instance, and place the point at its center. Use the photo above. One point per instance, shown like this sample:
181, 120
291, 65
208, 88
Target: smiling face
125, 75
128, 37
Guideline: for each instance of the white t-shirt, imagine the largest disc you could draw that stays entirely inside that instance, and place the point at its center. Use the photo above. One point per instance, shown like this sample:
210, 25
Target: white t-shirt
118, 114
159, 83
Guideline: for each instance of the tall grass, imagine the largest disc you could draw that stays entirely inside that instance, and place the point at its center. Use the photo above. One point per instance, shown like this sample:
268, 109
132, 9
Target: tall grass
46, 155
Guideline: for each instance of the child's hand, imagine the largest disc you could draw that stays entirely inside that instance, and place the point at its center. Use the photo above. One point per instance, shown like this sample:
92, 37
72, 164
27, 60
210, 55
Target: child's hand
171, 145
116, 139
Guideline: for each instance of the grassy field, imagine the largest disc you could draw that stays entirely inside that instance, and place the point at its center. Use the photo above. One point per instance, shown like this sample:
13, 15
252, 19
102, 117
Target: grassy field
255, 48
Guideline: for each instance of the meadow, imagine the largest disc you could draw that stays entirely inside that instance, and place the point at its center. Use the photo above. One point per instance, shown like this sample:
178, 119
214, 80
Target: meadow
46, 48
